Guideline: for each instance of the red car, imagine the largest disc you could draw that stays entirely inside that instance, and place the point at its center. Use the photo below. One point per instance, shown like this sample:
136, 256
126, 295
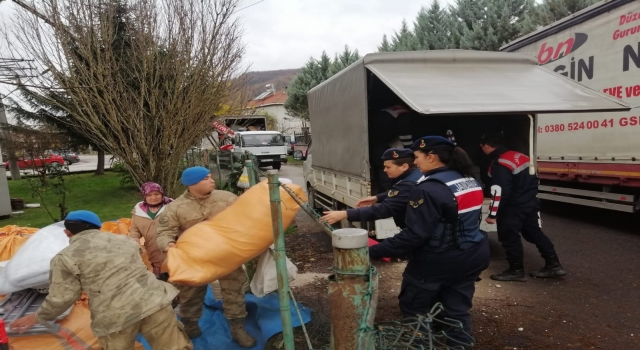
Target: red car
27, 163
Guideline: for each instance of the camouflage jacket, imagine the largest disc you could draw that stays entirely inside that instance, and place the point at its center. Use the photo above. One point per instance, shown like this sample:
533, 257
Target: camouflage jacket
109, 269
188, 210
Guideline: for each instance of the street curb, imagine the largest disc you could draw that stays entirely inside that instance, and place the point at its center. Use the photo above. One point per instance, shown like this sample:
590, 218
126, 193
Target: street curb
70, 173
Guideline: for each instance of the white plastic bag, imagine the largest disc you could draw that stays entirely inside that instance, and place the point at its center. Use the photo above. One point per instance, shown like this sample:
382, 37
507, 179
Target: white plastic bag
265, 279
29, 267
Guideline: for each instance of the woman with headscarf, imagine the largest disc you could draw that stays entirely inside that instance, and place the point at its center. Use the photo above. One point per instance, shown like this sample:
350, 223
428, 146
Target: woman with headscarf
144, 221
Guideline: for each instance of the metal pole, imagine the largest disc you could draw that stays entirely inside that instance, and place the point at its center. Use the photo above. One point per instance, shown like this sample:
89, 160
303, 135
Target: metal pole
281, 259
251, 172
353, 291
11, 152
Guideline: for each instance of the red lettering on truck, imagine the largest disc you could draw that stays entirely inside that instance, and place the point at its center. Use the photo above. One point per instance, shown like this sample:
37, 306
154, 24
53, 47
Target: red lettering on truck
630, 17
630, 121
619, 34
548, 54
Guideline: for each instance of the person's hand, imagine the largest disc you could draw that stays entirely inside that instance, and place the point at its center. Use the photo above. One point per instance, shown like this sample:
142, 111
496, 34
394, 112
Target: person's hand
331, 217
169, 246
23, 324
490, 221
367, 201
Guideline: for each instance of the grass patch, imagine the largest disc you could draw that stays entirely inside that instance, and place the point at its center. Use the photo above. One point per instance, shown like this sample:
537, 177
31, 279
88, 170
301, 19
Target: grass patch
100, 194
291, 161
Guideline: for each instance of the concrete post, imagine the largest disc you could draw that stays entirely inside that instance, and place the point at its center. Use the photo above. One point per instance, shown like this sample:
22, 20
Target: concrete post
353, 291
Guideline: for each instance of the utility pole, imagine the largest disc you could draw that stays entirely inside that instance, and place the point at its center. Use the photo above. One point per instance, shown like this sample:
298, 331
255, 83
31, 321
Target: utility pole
5, 197
11, 152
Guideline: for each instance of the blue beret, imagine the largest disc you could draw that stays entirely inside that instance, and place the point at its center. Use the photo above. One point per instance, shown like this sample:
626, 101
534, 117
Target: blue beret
193, 175
428, 143
397, 153
84, 216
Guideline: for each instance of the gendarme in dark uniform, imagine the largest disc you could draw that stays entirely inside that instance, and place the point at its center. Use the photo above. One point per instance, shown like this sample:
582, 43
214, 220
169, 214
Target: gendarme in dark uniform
442, 236
398, 165
516, 210
392, 203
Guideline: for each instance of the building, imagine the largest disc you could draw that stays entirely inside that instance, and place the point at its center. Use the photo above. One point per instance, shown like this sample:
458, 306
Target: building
271, 103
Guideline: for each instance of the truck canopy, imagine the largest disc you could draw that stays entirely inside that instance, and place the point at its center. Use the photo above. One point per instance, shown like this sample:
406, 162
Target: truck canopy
448, 82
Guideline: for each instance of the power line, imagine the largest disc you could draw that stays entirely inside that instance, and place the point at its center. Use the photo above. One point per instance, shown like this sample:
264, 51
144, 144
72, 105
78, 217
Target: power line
255, 3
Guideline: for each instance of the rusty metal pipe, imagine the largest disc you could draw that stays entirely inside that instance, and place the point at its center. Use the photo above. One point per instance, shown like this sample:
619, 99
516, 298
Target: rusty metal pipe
353, 291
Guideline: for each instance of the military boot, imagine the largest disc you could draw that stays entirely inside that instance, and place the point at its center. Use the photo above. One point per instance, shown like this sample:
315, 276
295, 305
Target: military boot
515, 272
240, 335
191, 327
552, 268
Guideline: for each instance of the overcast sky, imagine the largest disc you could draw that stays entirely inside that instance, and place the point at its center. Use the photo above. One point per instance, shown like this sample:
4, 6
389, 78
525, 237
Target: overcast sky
285, 33
282, 34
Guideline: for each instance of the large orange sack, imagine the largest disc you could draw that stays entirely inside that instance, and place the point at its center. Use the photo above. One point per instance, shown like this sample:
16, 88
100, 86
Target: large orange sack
215, 248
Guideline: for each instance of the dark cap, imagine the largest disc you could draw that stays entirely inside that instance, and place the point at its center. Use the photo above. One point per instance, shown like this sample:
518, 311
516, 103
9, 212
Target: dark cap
428, 143
493, 136
397, 153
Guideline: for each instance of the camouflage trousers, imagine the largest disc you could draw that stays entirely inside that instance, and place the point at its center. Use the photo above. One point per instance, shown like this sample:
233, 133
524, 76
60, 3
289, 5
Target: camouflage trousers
191, 299
162, 330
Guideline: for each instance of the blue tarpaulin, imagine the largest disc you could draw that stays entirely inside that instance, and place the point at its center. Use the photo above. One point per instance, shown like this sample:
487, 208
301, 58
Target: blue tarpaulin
263, 321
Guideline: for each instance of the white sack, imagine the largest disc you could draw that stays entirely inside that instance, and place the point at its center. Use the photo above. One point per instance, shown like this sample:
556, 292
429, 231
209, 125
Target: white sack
29, 267
5, 286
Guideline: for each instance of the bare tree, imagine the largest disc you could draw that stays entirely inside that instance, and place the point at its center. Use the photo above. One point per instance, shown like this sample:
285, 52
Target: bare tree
144, 83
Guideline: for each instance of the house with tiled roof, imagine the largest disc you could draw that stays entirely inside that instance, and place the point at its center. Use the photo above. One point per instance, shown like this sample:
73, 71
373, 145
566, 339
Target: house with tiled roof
271, 102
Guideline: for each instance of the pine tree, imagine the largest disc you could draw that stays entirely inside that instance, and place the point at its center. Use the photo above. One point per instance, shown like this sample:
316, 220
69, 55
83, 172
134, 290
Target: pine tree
528, 24
309, 76
432, 27
344, 60
463, 16
405, 40
496, 24
550, 11
385, 46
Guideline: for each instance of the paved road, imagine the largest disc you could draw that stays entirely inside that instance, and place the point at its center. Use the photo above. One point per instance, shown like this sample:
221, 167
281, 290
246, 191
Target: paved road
87, 163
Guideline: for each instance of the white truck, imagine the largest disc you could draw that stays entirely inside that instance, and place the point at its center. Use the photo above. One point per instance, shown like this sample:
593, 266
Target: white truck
591, 159
468, 92
268, 146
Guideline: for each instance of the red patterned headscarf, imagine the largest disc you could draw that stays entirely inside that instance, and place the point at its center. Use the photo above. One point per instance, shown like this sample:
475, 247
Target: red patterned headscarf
149, 187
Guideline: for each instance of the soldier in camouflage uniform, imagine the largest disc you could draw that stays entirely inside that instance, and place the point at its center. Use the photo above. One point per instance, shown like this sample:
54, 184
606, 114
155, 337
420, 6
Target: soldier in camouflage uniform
199, 203
124, 297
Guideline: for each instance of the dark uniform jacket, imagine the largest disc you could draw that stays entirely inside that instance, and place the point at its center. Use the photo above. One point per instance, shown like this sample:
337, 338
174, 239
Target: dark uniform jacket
425, 239
392, 203
511, 183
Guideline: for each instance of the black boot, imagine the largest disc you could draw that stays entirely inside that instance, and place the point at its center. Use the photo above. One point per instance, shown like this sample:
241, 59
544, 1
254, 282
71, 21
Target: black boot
515, 272
552, 268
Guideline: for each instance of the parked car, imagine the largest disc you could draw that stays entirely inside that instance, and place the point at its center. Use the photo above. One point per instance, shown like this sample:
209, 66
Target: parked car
69, 156
26, 163
288, 141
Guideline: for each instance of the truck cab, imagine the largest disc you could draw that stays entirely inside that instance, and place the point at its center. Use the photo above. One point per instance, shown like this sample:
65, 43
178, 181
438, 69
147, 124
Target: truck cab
267, 146
452, 93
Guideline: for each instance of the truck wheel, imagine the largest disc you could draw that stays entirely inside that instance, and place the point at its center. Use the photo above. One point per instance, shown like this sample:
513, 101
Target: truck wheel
276, 166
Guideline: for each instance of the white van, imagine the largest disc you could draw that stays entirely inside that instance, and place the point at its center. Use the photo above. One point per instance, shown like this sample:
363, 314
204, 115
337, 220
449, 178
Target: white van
268, 146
